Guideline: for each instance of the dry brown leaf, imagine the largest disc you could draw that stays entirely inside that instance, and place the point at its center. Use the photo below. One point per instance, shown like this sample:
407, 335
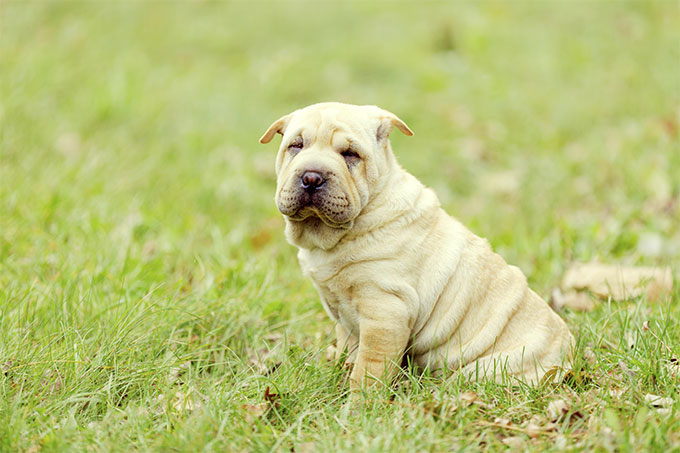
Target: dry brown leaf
557, 409
616, 393
536, 426
274, 337
51, 382
159, 404
577, 378
658, 401
674, 367
5, 367
502, 421
181, 401
514, 442
470, 398
305, 447
271, 397
619, 282
561, 442
550, 427
533, 429
572, 299
184, 401
261, 361
254, 411
632, 372
590, 356
630, 340
270, 401
176, 372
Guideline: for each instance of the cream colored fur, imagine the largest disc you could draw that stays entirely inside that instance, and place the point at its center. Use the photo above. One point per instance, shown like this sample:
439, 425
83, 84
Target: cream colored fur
398, 274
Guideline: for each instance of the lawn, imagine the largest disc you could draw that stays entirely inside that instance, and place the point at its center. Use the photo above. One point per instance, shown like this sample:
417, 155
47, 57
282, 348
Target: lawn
149, 301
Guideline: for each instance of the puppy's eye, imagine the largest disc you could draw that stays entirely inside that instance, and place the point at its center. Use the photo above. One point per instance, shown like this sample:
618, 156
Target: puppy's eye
295, 146
351, 157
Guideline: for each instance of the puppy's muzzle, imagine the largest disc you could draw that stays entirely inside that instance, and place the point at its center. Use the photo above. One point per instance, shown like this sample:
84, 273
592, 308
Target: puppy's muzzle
311, 181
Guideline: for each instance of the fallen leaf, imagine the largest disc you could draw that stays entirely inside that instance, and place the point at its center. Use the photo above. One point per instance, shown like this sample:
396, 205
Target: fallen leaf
261, 361
533, 429
590, 356
571, 299
274, 337
549, 427
176, 372
630, 341
502, 422
616, 393
183, 401
51, 382
561, 442
551, 375
254, 411
577, 379
557, 409
619, 282
470, 398
658, 401
271, 397
305, 447
632, 372
674, 367
187, 401
514, 442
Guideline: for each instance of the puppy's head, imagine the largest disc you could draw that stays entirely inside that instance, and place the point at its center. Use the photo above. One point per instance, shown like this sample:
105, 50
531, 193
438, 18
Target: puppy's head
332, 158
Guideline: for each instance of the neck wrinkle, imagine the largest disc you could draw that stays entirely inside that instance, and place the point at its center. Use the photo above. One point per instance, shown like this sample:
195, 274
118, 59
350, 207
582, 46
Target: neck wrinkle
398, 197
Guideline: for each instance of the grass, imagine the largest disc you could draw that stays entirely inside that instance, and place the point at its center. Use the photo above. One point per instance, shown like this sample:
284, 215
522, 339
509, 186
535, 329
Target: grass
149, 301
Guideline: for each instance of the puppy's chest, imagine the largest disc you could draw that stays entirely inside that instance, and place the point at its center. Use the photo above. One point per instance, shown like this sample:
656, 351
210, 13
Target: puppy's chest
336, 296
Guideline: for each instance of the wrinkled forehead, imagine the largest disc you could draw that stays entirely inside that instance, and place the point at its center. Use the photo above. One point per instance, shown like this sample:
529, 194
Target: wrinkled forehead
326, 126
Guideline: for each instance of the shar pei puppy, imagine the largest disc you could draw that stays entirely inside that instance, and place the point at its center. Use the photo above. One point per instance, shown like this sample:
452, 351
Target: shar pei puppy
397, 274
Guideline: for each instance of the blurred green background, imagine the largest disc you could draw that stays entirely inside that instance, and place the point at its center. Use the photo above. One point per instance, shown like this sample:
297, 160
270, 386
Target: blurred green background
137, 205
541, 125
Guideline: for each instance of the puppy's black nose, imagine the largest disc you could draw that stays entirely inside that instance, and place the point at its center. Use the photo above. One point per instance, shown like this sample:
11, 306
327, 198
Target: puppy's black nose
311, 180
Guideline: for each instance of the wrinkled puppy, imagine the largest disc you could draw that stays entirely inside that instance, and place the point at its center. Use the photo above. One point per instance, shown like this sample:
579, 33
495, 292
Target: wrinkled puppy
397, 274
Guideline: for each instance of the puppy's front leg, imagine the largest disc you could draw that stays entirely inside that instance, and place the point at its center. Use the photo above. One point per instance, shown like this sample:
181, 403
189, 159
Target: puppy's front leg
345, 342
383, 335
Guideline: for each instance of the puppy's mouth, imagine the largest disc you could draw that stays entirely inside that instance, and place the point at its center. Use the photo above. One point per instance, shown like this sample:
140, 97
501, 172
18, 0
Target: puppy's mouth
310, 212
332, 209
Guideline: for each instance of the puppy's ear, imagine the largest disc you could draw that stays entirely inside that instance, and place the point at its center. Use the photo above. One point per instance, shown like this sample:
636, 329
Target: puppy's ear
277, 127
387, 121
